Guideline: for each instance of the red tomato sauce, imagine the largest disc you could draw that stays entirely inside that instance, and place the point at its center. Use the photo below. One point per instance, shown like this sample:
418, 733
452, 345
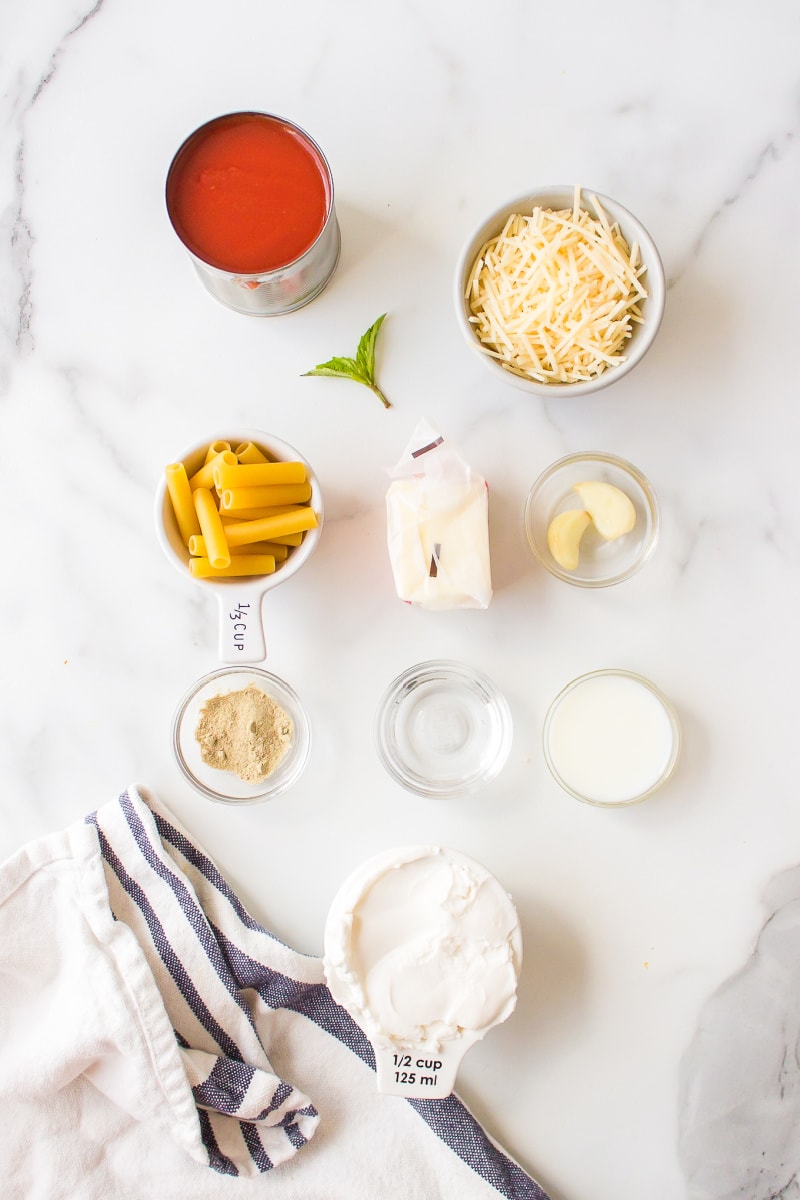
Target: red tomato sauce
248, 193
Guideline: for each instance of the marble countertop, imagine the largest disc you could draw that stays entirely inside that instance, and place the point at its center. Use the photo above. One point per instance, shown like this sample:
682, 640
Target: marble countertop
653, 1050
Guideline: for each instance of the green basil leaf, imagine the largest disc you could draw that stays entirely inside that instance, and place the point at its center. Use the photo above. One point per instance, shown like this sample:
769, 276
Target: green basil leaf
365, 355
360, 369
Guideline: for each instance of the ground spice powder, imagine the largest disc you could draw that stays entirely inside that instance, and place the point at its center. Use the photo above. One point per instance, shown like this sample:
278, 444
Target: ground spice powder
245, 732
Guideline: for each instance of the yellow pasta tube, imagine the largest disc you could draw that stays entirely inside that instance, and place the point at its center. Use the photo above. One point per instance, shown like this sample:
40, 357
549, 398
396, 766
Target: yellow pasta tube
289, 539
254, 497
255, 514
211, 528
242, 564
278, 550
205, 476
257, 474
270, 528
216, 448
248, 452
182, 504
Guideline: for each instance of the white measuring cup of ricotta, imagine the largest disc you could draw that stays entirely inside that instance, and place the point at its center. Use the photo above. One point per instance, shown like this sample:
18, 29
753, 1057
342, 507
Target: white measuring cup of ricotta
423, 948
239, 600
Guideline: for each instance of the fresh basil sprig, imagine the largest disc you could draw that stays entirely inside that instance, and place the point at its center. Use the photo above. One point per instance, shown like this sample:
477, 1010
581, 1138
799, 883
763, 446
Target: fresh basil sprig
361, 369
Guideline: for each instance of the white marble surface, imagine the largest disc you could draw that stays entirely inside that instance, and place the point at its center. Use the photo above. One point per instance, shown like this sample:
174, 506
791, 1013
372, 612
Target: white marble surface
112, 358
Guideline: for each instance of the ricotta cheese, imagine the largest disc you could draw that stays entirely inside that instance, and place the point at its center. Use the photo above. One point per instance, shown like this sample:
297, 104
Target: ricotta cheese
423, 947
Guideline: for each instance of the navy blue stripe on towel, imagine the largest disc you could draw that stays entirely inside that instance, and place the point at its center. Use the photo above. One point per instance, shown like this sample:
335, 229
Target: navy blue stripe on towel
252, 1140
192, 912
312, 1000
167, 955
455, 1125
211, 1093
216, 1159
225, 1087
449, 1119
210, 872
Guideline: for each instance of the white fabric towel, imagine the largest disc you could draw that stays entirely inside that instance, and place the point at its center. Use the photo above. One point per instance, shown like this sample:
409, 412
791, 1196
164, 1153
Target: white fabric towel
156, 1042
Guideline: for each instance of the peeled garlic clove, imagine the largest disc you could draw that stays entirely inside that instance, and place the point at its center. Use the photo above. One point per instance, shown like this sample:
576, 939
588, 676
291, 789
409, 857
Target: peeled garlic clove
564, 535
609, 508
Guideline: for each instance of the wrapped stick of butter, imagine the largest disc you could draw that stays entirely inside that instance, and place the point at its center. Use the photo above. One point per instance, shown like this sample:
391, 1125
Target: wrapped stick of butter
437, 512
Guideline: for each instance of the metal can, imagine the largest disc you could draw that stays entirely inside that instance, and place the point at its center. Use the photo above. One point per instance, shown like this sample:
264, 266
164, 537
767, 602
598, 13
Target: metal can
250, 196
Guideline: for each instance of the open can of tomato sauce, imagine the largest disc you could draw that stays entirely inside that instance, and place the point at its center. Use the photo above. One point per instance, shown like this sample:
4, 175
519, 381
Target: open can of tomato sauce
250, 195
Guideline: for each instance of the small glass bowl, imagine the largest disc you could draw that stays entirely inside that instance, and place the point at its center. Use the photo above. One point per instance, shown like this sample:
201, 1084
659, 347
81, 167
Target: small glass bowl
611, 738
225, 786
602, 562
443, 729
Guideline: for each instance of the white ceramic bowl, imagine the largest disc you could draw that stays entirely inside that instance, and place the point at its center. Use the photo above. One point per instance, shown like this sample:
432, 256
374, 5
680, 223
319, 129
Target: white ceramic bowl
560, 197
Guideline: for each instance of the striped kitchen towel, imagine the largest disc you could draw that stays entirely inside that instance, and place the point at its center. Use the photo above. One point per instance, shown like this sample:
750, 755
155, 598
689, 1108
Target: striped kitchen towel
156, 1041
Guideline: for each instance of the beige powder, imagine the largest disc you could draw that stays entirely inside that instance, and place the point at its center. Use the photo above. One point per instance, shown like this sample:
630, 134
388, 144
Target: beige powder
245, 732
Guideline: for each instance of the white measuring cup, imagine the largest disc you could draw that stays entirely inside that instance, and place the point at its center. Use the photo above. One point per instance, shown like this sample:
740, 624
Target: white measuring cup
421, 1072
239, 600
425, 966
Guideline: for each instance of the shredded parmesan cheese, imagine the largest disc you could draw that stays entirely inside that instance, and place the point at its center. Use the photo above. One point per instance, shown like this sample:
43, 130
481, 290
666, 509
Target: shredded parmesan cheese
554, 296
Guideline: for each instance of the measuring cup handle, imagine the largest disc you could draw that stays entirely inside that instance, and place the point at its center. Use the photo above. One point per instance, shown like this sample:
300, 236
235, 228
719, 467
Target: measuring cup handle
241, 630
419, 1071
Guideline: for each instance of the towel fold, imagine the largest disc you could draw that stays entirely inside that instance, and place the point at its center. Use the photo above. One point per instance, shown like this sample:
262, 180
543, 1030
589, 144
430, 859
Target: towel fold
155, 1040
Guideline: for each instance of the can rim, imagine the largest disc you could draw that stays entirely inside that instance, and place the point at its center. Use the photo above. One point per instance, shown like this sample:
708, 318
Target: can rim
292, 265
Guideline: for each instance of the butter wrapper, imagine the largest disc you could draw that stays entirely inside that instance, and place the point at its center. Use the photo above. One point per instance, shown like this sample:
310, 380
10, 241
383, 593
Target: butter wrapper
437, 511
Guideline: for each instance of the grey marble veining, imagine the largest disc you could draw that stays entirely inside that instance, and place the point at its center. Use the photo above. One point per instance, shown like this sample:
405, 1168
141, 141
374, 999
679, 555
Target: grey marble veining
740, 1077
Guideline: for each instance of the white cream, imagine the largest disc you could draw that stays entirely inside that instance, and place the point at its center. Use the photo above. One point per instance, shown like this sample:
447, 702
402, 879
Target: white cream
423, 948
610, 738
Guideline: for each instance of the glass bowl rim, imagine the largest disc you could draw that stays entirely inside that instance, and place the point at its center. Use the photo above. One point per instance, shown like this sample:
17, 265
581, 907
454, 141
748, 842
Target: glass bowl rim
299, 717
469, 677
669, 709
651, 502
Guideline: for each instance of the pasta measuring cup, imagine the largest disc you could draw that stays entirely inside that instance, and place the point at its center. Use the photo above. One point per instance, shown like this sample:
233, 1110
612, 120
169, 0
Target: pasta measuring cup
239, 598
